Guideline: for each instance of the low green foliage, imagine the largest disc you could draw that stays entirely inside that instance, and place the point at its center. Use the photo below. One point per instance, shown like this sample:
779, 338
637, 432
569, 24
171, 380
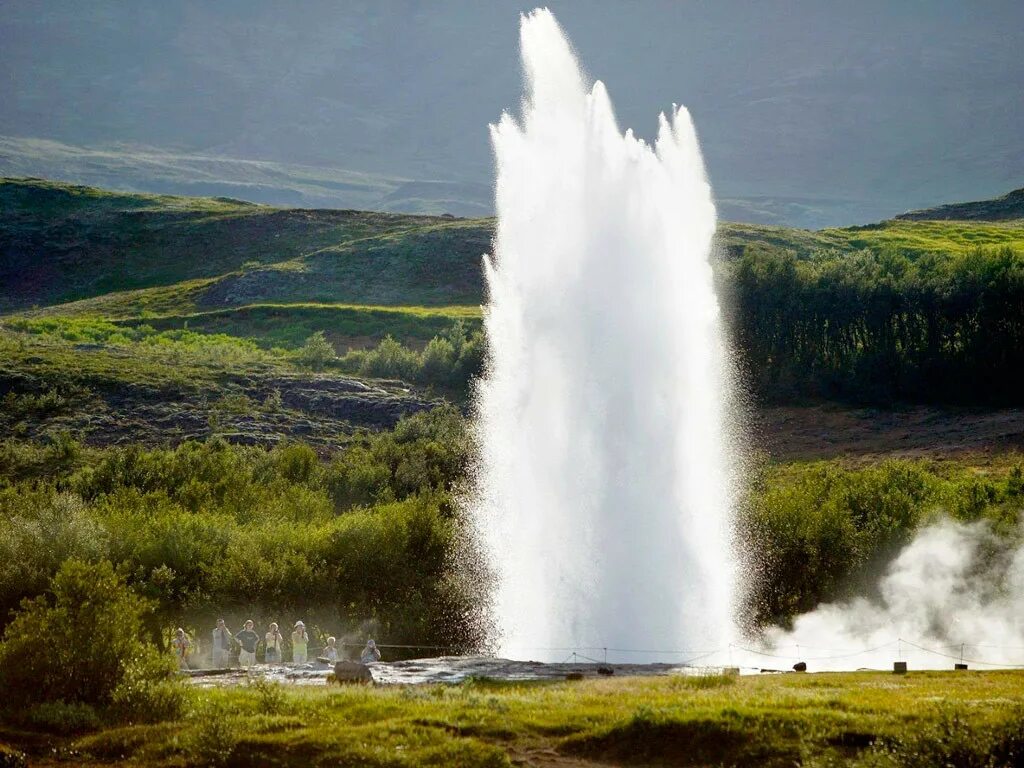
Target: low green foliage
955, 738
370, 533
449, 362
316, 352
61, 718
84, 646
820, 532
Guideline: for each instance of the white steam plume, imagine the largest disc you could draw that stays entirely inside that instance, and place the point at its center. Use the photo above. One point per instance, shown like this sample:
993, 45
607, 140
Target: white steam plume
955, 589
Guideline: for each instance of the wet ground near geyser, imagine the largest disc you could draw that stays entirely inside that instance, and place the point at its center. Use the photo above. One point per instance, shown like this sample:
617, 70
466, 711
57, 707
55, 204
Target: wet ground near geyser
445, 669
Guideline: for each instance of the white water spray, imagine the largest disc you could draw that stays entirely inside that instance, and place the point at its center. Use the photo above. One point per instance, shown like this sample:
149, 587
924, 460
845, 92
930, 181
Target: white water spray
603, 493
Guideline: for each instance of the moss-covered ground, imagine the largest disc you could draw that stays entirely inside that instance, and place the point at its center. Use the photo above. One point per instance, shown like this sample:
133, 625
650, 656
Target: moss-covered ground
779, 720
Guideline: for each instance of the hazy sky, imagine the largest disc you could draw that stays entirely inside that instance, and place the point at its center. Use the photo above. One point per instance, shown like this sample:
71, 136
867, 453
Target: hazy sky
877, 105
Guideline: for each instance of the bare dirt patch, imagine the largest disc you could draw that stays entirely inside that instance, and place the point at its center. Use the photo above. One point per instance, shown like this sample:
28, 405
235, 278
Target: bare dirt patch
830, 431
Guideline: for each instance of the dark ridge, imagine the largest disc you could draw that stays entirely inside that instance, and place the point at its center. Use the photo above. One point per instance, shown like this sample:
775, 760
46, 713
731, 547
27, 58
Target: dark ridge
1009, 206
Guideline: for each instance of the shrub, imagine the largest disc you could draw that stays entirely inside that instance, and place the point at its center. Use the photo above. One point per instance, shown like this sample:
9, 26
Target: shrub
39, 530
316, 352
821, 532
437, 362
390, 360
58, 717
80, 645
954, 740
146, 694
214, 736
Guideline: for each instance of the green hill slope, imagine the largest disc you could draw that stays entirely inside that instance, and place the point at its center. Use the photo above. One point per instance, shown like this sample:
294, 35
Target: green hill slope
1009, 206
154, 306
60, 243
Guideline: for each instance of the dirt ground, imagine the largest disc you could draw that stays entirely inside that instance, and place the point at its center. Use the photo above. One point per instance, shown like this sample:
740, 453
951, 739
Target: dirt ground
831, 431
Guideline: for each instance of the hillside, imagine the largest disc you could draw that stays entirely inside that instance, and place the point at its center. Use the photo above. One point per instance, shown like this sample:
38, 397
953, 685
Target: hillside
1009, 206
153, 317
61, 243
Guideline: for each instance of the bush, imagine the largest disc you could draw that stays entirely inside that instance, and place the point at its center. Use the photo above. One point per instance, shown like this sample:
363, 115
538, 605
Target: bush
390, 360
316, 352
437, 362
81, 645
214, 736
821, 532
58, 717
955, 740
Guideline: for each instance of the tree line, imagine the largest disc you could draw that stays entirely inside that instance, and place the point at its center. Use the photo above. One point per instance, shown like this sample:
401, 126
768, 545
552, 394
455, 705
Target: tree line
880, 326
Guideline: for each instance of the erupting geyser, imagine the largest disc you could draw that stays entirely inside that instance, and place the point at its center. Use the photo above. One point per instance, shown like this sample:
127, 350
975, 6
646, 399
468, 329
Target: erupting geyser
603, 493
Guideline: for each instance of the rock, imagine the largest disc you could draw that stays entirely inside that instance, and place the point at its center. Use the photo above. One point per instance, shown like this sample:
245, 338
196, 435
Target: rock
352, 672
800, 666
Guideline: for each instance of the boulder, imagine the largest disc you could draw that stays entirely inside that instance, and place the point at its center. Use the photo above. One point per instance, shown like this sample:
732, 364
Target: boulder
352, 672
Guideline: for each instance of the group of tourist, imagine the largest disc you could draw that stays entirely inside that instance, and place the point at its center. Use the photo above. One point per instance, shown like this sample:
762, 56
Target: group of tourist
248, 640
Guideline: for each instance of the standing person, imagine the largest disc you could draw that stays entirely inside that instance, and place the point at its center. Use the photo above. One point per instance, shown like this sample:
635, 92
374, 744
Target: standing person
181, 645
221, 645
273, 642
331, 651
247, 638
300, 643
371, 653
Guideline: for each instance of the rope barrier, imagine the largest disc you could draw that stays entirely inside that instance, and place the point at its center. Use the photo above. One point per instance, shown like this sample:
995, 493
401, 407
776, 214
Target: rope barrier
816, 658
961, 658
692, 655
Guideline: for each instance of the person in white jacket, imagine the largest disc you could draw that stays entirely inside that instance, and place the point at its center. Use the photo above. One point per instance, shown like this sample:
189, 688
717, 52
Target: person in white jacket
371, 653
300, 643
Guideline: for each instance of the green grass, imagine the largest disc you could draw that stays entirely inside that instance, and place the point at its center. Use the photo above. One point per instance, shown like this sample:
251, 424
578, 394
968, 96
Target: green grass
276, 276
826, 719
919, 237
69, 352
218, 263
269, 325
345, 325
914, 238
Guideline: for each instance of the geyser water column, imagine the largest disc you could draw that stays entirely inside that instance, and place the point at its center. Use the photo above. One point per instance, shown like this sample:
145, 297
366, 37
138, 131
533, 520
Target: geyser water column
603, 489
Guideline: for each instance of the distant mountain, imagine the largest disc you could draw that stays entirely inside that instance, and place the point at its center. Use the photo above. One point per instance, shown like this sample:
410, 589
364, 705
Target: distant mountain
157, 171
812, 114
1009, 206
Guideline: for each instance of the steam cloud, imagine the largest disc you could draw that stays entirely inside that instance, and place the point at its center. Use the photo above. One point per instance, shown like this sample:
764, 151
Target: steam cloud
955, 589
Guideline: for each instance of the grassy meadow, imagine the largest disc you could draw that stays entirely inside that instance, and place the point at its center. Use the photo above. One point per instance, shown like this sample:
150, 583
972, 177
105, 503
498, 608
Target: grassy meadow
854, 719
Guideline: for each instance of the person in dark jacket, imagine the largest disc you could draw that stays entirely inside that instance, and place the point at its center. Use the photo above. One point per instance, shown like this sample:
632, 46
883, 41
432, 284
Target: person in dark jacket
248, 639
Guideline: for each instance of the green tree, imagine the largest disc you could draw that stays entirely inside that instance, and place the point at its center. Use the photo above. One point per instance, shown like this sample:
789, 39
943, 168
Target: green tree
84, 644
316, 352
